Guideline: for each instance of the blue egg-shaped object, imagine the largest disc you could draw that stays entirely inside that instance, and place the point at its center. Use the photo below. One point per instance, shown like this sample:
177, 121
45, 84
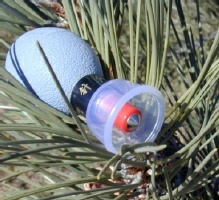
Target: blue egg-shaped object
70, 57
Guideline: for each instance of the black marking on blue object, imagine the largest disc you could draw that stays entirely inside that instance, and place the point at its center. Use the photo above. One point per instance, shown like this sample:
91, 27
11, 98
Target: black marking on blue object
19, 71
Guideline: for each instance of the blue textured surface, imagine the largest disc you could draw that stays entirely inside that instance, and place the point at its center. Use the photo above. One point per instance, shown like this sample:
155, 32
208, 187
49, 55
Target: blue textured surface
70, 56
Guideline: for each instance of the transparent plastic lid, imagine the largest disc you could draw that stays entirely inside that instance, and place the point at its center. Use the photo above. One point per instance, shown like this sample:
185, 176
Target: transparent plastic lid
110, 98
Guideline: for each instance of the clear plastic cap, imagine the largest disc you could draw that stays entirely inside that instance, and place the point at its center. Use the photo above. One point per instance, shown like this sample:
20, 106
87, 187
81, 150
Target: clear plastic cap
109, 99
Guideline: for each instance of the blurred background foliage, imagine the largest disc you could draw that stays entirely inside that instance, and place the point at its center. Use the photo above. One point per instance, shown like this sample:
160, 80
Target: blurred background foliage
172, 45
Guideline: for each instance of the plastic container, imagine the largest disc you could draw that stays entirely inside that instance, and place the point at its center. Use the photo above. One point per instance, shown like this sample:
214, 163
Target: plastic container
107, 105
109, 99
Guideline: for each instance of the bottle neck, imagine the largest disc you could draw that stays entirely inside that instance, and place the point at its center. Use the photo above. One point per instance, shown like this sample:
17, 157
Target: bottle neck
83, 91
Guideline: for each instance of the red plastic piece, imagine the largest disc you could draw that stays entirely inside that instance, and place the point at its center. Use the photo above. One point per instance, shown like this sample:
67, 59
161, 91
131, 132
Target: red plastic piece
124, 114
